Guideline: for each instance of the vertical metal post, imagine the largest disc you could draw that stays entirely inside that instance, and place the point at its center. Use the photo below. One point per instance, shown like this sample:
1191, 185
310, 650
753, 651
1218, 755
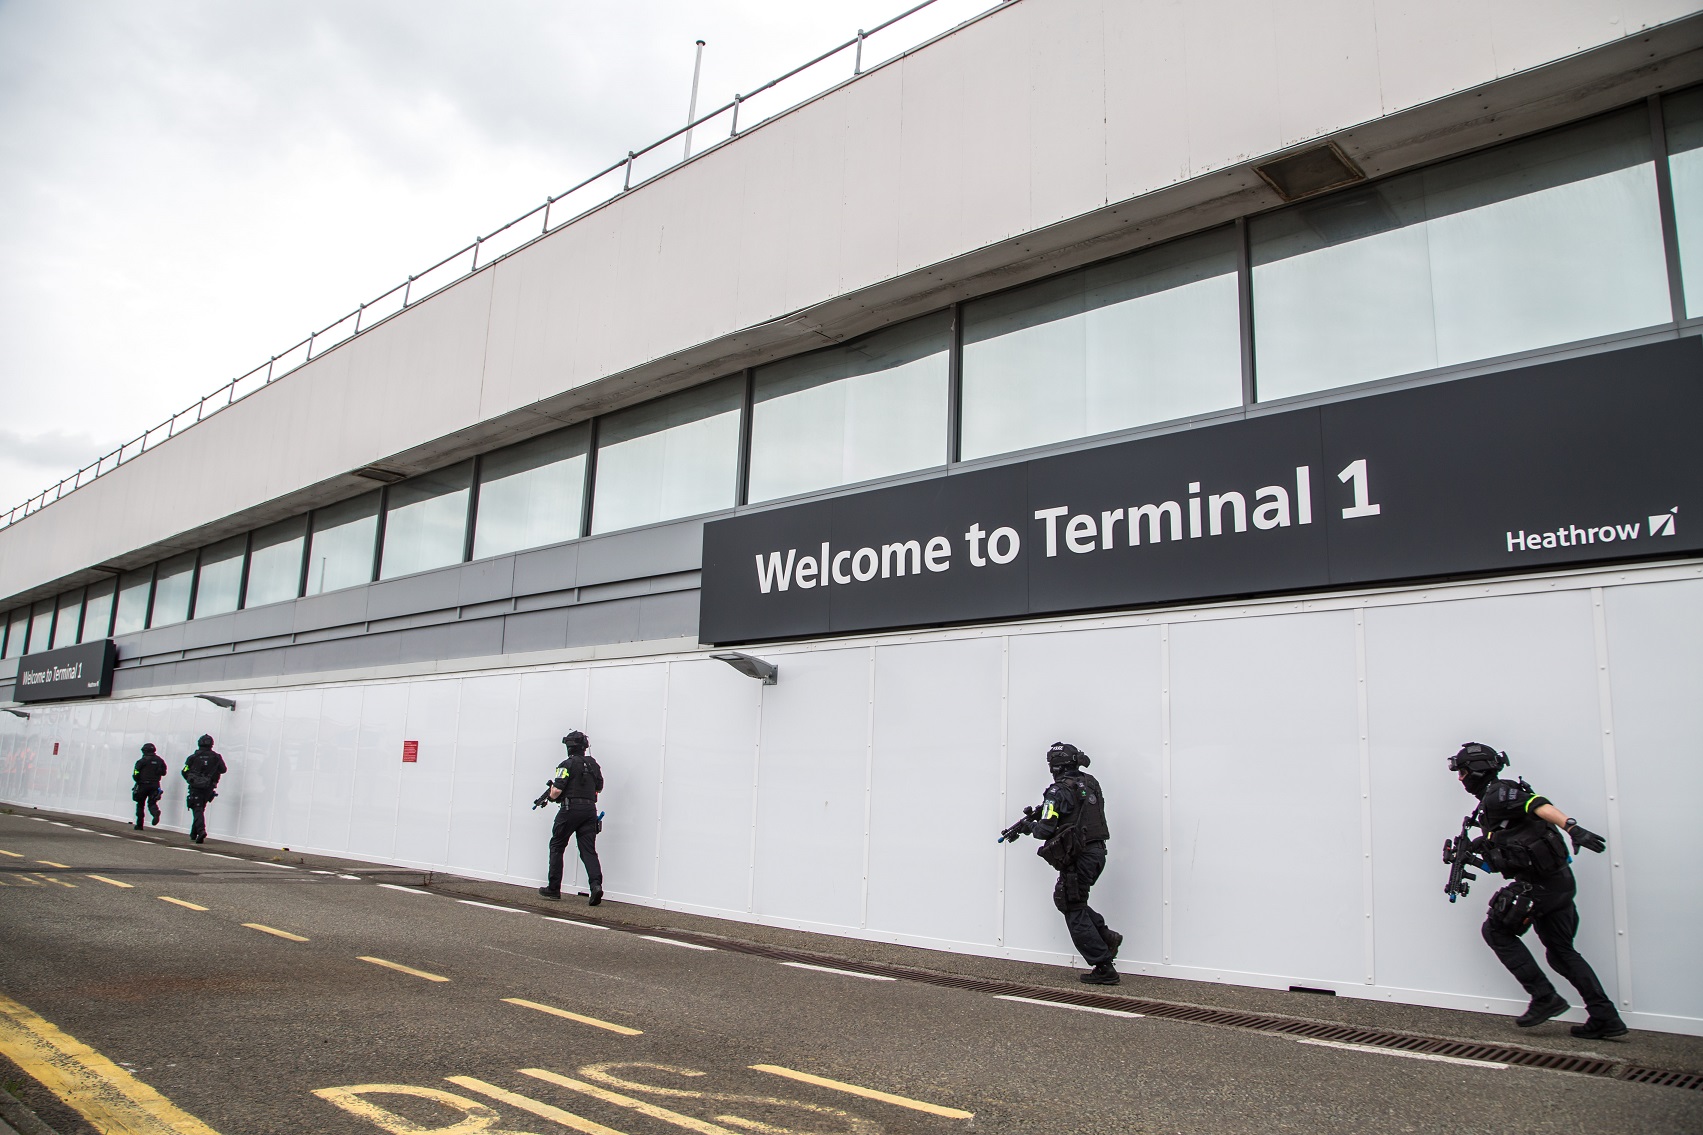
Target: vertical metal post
736, 101
589, 489
406, 288
477, 242
378, 534
311, 337
1245, 311
548, 201
1664, 204
627, 178
359, 311
307, 552
242, 581
692, 105
472, 508
742, 489
857, 62
199, 407
955, 388
194, 584
270, 363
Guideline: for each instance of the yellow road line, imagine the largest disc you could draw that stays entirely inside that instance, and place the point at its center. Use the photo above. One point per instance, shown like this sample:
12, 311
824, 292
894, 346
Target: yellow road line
274, 931
180, 902
10, 854
691, 1123
51, 863
111, 1099
113, 882
57, 882
592, 1021
866, 1093
400, 968
542, 1110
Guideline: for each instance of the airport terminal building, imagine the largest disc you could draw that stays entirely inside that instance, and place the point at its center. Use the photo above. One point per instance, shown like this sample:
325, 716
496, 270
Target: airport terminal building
1266, 398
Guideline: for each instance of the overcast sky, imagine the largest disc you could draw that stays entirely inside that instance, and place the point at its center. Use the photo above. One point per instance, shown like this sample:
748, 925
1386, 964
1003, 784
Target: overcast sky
190, 186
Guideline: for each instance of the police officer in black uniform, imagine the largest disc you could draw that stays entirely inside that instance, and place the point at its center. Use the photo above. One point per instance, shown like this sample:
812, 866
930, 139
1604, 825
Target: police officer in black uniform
150, 770
575, 786
1522, 842
1071, 823
202, 772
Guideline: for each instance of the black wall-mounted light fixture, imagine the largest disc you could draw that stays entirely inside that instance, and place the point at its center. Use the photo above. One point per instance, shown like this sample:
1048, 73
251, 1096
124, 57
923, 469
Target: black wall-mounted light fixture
19, 713
751, 667
222, 703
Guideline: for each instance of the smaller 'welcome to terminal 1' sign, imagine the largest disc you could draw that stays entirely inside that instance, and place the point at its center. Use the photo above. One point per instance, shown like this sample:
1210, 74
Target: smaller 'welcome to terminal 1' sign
83, 671
1587, 459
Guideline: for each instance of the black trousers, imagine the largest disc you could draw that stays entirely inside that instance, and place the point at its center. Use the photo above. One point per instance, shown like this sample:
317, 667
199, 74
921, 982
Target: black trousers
197, 816
149, 799
1556, 921
1087, 929
577, 819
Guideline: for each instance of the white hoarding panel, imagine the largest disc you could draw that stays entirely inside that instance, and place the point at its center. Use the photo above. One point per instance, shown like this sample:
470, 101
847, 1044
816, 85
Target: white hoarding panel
334, 769
481, 800
422, 801
303, 710
552, 704
629, 708
708, 794
378, 771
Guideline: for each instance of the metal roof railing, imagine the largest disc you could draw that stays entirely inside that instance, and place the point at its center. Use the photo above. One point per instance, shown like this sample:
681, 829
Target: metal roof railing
556, 212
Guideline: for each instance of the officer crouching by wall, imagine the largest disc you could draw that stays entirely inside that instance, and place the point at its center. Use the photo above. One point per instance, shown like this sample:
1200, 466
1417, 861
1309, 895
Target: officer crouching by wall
1071, 823
145, 789
202, 772
1522, 842
575, 786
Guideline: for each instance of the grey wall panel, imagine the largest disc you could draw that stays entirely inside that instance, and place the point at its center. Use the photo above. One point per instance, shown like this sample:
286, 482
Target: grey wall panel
154, 641
209, 632
428, 591
484, 580
546, 569
657, 550
452, 640
598, 623
265, 622
674, 615
535, 630
334, 608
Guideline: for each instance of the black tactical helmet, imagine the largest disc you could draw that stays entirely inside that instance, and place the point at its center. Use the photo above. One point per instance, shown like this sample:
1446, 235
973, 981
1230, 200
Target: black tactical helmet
1062, 755
148, 747
205, 741
1477, 765
576, 742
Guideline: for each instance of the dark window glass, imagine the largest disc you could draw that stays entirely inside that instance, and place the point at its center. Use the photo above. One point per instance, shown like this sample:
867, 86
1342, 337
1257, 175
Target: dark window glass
66, 621
425, 522
41, 627
531, 494
172, 584
133, 589
1683, 116
275, 562
220, 577
97, 611
1141, 339
676, 456
1543, 241
17, 630
340, 551
872, 408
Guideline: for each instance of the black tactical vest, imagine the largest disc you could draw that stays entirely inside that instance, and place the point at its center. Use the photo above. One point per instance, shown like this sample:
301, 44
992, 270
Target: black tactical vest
1090, 806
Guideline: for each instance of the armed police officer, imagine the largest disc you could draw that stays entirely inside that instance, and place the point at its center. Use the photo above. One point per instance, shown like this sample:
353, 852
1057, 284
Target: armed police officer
1522, 842
202, 772
574, 788
145, 789
1071, 823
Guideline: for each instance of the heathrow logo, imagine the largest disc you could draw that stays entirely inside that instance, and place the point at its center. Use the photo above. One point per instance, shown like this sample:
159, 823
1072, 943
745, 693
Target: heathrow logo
1572, 536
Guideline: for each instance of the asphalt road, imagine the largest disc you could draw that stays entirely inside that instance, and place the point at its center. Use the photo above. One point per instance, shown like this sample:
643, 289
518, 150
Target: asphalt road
182, 978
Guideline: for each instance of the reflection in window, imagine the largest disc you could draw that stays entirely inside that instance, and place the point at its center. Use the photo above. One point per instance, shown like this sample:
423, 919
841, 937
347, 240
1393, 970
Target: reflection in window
219, 584
1545, 241
340, 551
676, 456
133, 588
425, 522
172, 586
275, 562
1142, 339
1683, 116
65, 623
17, 630
872, 408
97, 611
41, 627
531, 494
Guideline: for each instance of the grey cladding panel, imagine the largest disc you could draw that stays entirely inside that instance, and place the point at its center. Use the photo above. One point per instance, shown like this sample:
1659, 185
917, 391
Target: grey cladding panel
218, 630
264, 622
429, 591
599, 623
546, 569
485, 580
535, 630
454, 640
659, 550
672, 615
333, 609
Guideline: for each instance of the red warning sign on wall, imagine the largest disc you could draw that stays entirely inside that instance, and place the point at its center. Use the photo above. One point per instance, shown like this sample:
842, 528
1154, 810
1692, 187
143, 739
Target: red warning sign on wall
410, 752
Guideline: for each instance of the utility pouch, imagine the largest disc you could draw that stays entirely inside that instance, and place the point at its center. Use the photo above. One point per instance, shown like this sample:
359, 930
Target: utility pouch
1070, 886
1062, 849
1511, 908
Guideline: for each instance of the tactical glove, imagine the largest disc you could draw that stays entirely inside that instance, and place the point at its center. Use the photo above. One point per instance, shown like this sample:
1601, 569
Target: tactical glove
1584, 839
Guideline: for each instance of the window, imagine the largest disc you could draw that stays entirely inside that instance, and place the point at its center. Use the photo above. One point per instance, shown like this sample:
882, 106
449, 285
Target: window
41, 627
97, 611
872, 408
1683, 116
17, 630
1544, 241
531, 494
425, 522
1142, 339
68, 619
133, 589
219, 580
676, 456
275, 562
173, 583
340, 551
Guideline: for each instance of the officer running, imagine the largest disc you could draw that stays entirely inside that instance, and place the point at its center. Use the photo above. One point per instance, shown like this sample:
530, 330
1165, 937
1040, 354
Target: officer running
1522, 842
575, 786
150, 770
202, 772
1071, 823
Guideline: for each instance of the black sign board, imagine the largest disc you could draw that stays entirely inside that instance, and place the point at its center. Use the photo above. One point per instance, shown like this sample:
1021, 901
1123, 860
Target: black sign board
1588, 459
83, 671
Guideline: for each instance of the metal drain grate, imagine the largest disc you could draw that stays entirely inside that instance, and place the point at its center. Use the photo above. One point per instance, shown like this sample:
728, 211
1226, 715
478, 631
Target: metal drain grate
1193, 1014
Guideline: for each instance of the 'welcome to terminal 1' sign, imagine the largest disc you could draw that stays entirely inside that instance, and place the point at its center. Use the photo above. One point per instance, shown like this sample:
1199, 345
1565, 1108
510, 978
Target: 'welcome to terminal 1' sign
1587, 459
83, 671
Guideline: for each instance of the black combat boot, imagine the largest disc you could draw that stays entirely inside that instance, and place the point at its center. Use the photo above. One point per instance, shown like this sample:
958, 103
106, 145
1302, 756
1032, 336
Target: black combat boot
1600, 1029
1102, 974
596, 895
548, 893
1113, 941
1551, 1004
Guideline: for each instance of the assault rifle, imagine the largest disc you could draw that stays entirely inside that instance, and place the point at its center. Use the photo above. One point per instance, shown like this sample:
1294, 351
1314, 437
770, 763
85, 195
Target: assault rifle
543, 797
1461, 853
1021, 828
